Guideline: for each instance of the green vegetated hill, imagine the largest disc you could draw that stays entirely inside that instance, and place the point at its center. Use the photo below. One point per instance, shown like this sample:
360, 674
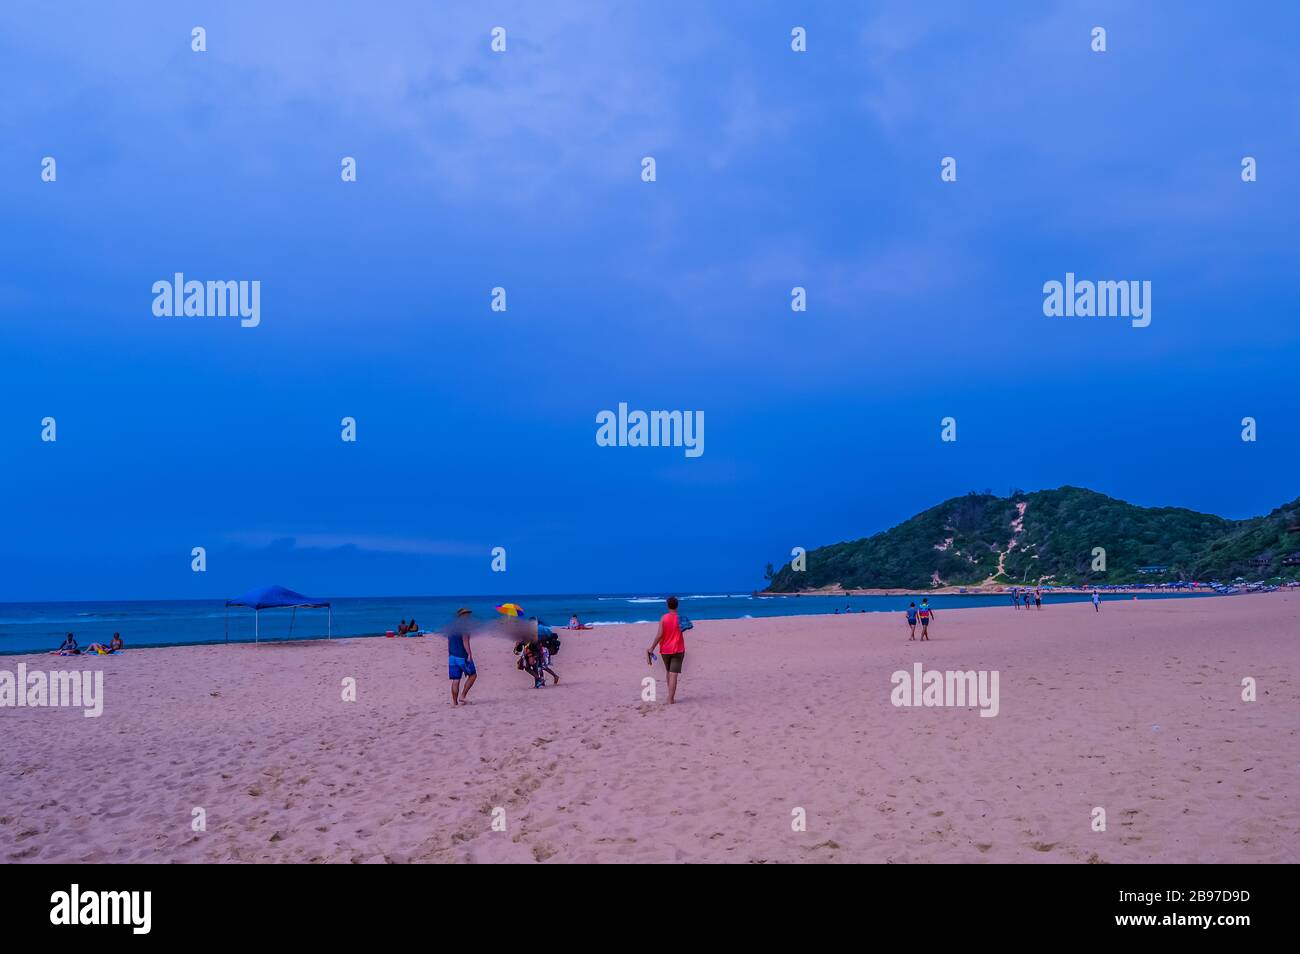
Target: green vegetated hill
980, 537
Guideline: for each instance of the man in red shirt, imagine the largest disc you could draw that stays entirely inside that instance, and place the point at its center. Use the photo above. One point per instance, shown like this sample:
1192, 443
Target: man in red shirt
668, 637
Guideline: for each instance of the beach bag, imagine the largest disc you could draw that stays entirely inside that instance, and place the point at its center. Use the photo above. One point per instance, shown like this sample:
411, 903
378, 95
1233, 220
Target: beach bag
683, 623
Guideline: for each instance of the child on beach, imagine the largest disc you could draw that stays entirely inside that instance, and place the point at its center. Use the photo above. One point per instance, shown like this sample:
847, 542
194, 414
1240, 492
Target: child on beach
530, 660
911, 621
926, 615
1096, 601
535, 659
547, 642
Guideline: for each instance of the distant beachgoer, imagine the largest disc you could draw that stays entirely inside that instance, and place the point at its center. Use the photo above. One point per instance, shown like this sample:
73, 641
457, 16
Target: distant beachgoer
926, 615
69, 647
116, 643
573, 622
911, 621
1015, 598
412, 628
1038, 598
401, 628
460, 656
1096, 600
669, 640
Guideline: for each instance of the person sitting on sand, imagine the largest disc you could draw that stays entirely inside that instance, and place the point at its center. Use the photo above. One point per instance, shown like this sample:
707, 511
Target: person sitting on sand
573, 622
926, 615
911, 620
113, 646
69, 647
669, 640
460, 656
412, 628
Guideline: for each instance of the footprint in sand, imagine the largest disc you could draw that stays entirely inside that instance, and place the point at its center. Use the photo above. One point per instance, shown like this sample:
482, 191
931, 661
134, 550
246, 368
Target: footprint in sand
542, 852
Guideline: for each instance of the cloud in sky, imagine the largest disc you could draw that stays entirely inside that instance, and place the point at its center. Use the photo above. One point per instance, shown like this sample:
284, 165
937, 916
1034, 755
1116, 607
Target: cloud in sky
370, 543
776, 169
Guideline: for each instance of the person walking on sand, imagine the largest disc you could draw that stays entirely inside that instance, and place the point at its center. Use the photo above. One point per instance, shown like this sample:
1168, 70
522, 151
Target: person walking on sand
1096, 600
460, 656
926, 615
543, 641
671, 644
1038, 598
1015, 598
911, 621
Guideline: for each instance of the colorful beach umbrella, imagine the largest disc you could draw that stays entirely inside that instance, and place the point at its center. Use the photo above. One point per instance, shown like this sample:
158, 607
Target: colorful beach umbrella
510, 609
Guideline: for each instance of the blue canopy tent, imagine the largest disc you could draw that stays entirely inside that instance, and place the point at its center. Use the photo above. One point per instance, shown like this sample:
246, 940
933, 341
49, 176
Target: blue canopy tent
271, 597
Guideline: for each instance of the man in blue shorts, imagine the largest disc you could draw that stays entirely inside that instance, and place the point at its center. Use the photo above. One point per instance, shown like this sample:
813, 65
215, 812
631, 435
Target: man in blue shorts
460, 657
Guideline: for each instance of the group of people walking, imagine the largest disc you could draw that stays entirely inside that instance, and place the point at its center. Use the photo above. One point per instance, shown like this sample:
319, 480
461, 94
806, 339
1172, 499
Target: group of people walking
922, 614
669, 641
536, 644
1030, 597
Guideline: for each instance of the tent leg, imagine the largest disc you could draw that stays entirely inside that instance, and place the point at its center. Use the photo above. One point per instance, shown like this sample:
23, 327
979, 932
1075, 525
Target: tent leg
227, 624
329, 625
256, 638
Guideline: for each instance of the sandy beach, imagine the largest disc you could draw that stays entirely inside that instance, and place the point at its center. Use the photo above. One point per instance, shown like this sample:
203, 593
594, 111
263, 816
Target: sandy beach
1137, 709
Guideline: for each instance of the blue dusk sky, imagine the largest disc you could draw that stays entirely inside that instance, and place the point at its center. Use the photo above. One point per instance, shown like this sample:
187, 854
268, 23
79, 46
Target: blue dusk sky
522, 169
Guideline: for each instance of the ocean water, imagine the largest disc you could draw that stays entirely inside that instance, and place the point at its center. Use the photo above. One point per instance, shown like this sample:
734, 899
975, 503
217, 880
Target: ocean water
33, 627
